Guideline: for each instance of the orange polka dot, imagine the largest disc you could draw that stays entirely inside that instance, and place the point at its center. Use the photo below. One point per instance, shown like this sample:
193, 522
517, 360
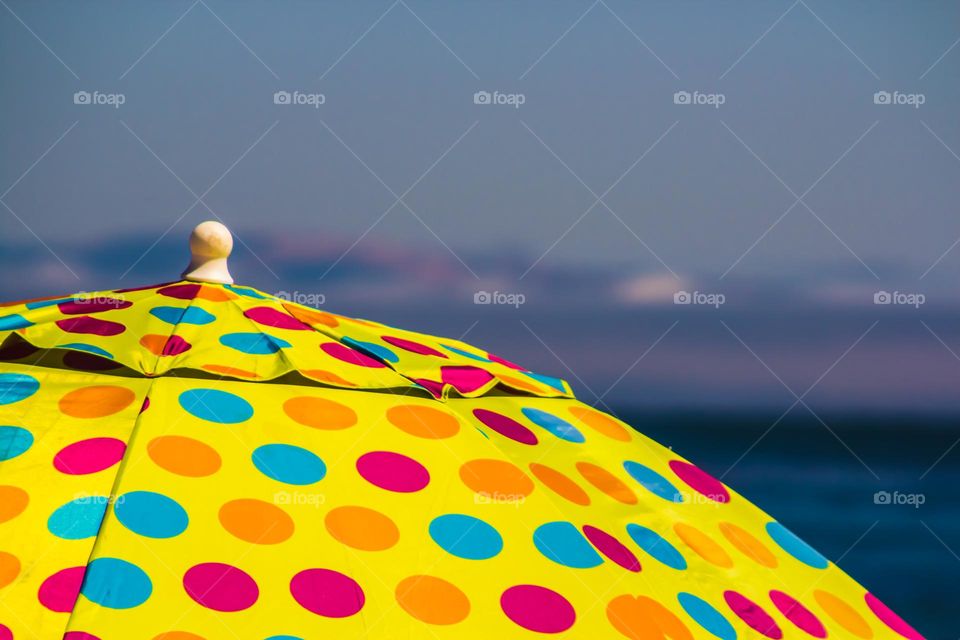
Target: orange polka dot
320, 413
607, 482
423, 422
13, 500
432, 600
230, 371
496, 480
256, 521
178, 635
184, 456
215, 294
600, 422
560, 484
9, 568
311, 316
843, 614
327, 376
96, 401
518, 383
154, 343
703, 545
748, 544
362, 528
642, 618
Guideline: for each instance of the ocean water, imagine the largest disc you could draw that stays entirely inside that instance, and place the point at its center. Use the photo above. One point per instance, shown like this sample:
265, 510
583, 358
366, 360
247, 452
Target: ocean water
879, 495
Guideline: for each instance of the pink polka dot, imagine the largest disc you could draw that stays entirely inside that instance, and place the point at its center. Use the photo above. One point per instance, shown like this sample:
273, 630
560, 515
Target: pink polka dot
435, 388
798, 614
175, 345
220, 587
59, 592
327, 593
891, 619
180, 291
505, 426
94, 326
146, 404
270, 317
393, 471
5, 633
612, 548
76, 635
465, 379
351, 356
504, 362
700, 481
92, 305
751, 613
89, 456
537, 608
413, 347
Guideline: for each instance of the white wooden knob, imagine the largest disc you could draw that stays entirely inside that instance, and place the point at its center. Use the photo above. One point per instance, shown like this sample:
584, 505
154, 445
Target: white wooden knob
210, 246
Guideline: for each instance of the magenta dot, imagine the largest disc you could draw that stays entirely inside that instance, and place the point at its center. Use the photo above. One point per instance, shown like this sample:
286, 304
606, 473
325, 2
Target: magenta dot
180, 291
413, 347
700, 481
94, 326
504, 362
435, 388
465, 379
505, 426
798, 614
270, 317
59, 592
393, 471
351, 356
327, 593
89, 456
76, 635
891, 619
5, 633
537, 608
612, 548
174, 346
92, 305
146, 404
751, 613
220, 587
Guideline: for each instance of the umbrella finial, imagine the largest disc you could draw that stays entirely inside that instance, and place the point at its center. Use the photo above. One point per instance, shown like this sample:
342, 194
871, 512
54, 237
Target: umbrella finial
210, 245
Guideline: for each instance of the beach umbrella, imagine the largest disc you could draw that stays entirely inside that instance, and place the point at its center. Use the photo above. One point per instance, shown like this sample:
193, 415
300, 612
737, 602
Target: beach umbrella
204, 460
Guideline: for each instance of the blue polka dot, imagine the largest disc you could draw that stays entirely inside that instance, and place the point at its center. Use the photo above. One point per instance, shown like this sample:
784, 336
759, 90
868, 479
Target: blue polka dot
245, 291
15, 387
78, 519
796, 547
183, 315
465, 354
116, 584
253, 343
89, 348
151, 514
39, 304
284, 638
466, 536
13, 442
704, 614
14, 321
289, 464
550, 381
557, 426
371, 348
655, 545
564, 544
653, 481
214, 405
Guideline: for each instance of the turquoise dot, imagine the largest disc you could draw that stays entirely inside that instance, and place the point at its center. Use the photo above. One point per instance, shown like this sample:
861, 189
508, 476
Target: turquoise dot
89, 348
289, 464
253, 343
14, 321
116, 584
465, 354
373, 349
655, 545
550, 381
705, 615
15, 387
13, 442
39, 304
284, 638
214, 405
796, 547
563, 543
653, 481
78, 519
465, 536
557, 426
245, 291
183, 315
150, 514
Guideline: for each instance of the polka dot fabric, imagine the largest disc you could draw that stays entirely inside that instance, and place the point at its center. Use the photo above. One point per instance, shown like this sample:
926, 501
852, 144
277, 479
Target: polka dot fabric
185, 508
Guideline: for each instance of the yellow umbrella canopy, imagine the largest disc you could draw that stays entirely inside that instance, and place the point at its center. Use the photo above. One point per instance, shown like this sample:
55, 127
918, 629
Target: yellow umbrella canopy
203, 460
